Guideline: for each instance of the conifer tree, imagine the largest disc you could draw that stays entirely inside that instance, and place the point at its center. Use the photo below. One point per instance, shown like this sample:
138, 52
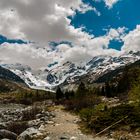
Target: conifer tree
59, 93
81, 92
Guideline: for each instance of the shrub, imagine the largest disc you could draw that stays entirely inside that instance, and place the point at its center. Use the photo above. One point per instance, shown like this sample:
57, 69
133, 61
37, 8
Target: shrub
79, 103
134, 95
17, 127
86, 114
30, 114
31, 96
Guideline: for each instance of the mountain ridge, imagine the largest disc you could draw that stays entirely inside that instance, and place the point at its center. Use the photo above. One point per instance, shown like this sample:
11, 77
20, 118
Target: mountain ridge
51, 77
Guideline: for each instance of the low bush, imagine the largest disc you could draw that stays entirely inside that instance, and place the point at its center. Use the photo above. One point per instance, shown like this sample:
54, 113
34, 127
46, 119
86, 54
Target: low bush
29, 97
30, 113
86, 114
17, 127
77, 104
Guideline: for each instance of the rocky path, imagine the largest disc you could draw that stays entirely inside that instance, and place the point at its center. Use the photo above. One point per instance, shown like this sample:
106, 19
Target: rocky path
52, 124
64, 127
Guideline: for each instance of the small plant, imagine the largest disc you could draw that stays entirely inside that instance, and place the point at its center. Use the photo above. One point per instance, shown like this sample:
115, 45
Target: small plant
86, 114
17, 127
30, 114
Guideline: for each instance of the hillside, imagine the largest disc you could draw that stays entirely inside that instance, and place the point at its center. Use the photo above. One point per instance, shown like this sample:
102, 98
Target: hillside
10, 82
8, 75
112, 74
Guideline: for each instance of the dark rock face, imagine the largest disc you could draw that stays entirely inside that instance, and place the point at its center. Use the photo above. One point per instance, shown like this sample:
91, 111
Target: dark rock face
8, 75
50, 78
7, 134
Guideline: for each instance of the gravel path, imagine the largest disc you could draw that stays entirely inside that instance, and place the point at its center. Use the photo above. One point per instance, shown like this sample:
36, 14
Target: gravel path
64, 127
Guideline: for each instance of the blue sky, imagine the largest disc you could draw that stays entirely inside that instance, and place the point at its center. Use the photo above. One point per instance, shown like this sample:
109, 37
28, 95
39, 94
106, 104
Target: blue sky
4, 39
125, 13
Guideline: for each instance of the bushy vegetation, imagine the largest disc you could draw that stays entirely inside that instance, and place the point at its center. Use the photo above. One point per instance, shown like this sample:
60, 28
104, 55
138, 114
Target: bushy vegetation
18, 127
29, 97
82, 98
30, 114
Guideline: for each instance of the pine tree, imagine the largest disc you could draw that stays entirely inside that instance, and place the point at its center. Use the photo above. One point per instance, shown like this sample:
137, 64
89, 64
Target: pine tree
59, 93
107, 90
81, 92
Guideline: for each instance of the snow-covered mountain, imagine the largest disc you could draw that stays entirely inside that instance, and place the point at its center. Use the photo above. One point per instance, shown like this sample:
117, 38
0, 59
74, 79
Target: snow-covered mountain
55, 74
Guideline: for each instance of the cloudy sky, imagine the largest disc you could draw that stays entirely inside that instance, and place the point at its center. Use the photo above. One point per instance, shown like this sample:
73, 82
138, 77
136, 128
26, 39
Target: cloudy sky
41, 32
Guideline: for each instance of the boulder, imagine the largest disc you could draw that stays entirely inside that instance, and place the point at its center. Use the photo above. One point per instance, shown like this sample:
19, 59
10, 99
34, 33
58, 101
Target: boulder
28, 134
7, 134
47, 138
73, 138
64, 138
3, 126
34, 123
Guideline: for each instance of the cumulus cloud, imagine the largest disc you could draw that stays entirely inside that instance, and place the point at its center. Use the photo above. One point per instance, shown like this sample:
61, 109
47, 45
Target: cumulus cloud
25, 54
43, 21
132, 40
39, 20
37, 56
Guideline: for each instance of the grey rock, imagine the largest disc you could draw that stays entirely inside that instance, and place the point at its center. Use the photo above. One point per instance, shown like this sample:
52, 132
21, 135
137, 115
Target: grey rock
73, 138
123, 138
3, 126
64, 138
47, 138
49, 122
7, 134
39, 116
52, 114
28, 134
34, 123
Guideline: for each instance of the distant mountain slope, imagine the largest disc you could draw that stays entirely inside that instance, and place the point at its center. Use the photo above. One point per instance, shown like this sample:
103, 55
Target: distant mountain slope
8, 75
10, 82
112, 74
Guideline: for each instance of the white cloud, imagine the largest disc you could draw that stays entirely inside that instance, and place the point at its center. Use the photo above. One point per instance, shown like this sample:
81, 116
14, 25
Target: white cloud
110, 3
43, 21
116, 34
10, 24
132, 40
24, 54
39, 20
36, 56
